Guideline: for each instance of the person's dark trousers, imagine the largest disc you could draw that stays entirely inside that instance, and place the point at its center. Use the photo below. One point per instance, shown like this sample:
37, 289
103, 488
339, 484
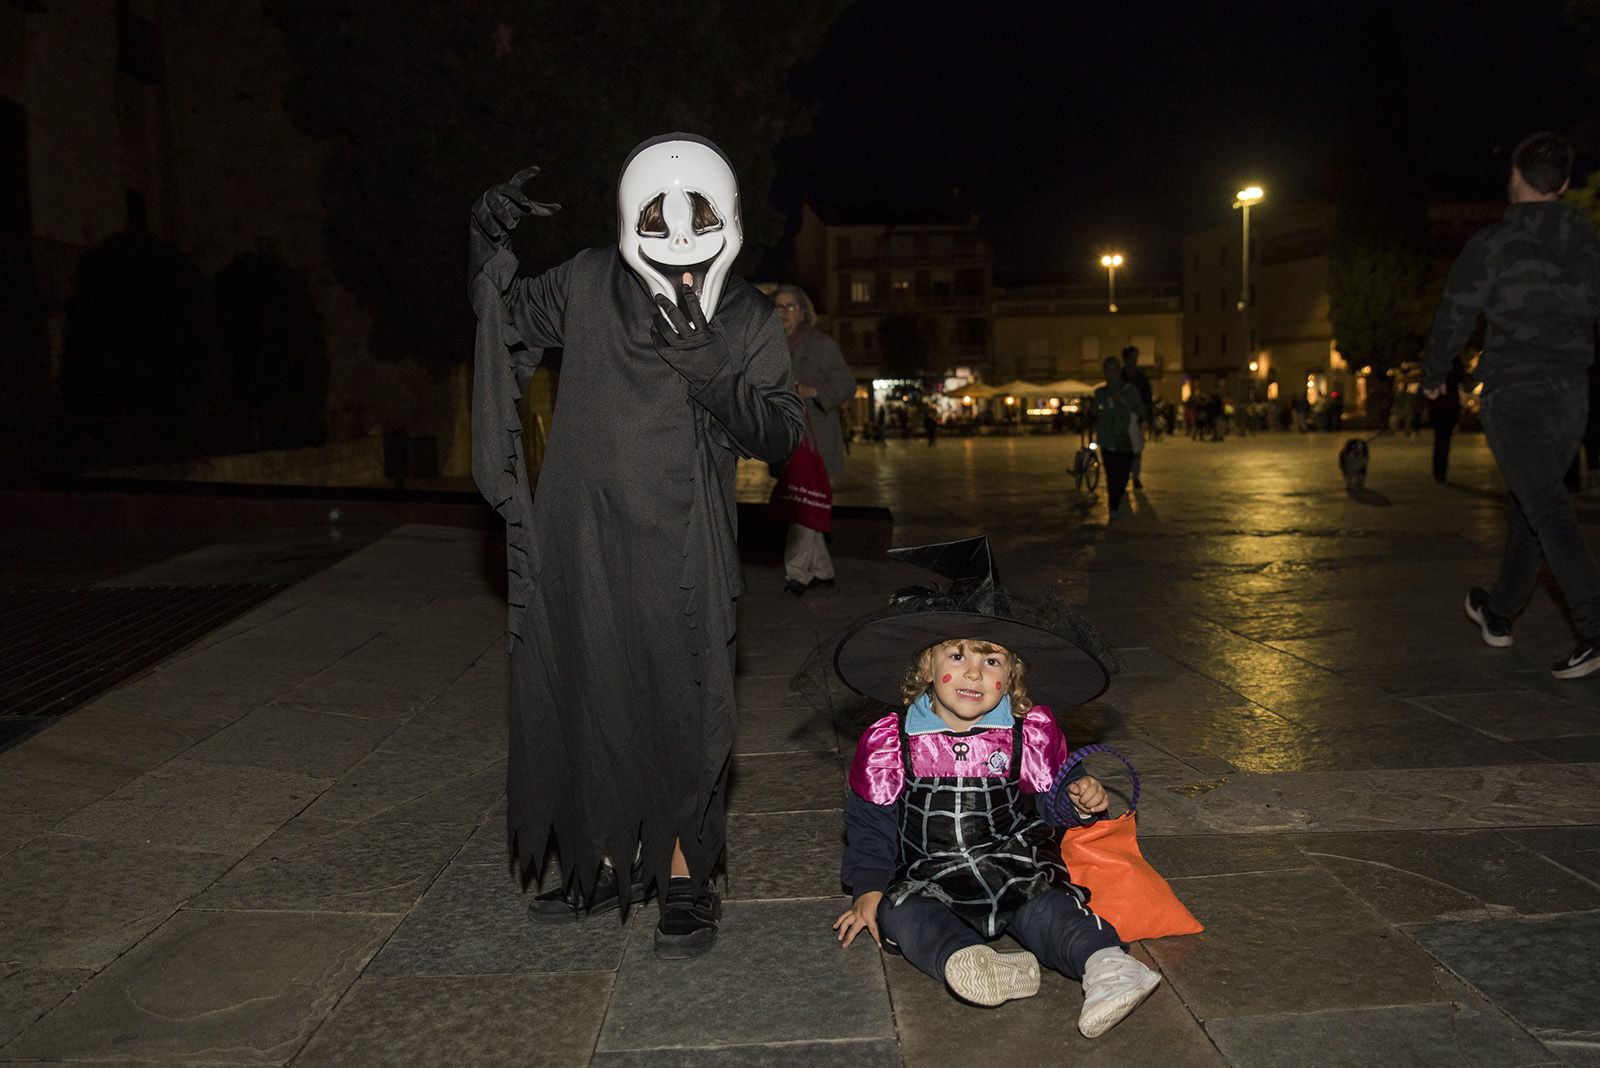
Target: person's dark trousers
1118, 465
1531, 427
1054, 927
1443, 417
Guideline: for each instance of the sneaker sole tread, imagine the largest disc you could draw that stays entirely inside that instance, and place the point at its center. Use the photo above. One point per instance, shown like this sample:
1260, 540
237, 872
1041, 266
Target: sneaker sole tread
992, 978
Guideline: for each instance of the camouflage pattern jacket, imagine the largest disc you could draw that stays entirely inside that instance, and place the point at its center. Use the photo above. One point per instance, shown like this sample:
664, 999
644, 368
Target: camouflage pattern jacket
1535, 276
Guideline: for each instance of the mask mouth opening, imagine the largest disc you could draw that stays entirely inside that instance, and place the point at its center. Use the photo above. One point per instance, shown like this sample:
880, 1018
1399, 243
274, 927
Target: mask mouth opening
673, 272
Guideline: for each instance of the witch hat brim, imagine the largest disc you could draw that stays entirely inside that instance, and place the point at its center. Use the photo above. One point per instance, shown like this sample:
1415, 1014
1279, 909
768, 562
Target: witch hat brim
872, 658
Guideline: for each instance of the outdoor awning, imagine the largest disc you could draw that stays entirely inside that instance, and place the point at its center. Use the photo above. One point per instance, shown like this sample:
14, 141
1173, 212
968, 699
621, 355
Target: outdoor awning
1019, 388
1067, 387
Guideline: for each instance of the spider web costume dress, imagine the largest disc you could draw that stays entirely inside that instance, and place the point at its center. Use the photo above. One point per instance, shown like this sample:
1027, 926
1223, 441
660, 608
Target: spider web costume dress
967, 835
623, 564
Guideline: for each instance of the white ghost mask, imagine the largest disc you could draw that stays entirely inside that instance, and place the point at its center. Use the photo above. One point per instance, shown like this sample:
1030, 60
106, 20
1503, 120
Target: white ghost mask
677, 211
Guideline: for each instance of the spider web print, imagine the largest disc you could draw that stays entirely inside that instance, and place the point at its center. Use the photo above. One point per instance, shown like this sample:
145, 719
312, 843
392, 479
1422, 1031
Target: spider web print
965, 845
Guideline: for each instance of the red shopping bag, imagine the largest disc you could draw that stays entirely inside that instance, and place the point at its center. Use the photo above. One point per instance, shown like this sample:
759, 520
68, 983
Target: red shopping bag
803, 494
1104, 856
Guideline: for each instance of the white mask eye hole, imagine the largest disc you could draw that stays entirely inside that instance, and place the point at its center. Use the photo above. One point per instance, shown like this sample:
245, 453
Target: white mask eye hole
706, 218
652, 221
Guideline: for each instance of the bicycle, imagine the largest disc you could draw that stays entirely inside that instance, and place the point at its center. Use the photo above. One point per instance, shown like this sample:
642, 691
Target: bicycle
1086, 465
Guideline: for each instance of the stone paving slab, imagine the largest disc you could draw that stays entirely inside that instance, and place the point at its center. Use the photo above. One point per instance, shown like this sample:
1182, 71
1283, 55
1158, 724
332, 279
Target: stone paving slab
1519, 714
777, 855
473, 920
1462, 798
783, 730
379, 865
94, 902
1541, 971
768, 952
1416, 876
488, 1020
1269, 942
1577, 849
27, 993
385, 779
869, 1053
785, 782
1314, 774
192, 804
936, 1029
230, 987
1470, 1035
288, 737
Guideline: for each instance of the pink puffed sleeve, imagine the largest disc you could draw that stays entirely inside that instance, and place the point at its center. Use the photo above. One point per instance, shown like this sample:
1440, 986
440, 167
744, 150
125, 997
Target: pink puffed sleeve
1044, 750
877, 773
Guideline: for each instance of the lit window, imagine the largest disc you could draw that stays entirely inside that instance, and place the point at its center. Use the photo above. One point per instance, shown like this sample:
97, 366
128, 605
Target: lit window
861, 291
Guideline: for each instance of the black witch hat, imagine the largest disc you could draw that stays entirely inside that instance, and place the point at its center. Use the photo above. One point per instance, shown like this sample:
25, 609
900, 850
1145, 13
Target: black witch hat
1065, 655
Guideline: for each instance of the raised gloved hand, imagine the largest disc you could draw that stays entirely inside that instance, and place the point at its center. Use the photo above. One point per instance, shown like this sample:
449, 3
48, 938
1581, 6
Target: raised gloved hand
497, 212
689, 343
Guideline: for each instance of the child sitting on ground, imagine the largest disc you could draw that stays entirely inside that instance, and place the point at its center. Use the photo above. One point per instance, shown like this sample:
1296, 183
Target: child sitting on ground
944, 850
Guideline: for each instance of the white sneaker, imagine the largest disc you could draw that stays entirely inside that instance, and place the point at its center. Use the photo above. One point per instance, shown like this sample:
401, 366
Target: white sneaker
980, 975
1113, 985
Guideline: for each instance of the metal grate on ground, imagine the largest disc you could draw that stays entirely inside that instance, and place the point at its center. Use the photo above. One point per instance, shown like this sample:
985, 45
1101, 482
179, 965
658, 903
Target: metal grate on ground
61, 647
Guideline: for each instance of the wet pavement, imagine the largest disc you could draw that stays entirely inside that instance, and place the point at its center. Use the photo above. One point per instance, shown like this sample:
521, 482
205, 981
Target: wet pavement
284, 844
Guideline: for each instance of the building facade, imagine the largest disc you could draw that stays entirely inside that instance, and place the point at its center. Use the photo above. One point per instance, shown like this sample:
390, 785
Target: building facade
1282, 344
906, 294
165, 118
1048, 333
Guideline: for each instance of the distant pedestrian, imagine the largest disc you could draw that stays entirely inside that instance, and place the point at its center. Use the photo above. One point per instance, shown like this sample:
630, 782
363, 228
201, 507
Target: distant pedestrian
825, 384
930, 427
1115, 410
1535, 277
1134, 375
1443, 413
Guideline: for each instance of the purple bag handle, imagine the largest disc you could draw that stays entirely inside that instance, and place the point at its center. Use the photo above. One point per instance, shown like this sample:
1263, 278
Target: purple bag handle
1058, 806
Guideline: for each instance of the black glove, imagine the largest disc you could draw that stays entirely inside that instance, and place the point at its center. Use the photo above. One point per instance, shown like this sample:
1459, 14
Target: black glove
497, 212
690, 345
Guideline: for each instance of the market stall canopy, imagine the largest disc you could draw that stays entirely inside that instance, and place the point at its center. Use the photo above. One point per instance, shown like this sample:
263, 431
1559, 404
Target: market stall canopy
977, 389
1018, 388
1067, 387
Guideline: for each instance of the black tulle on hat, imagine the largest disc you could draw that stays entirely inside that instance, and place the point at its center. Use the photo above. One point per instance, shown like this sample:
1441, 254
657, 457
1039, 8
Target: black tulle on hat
1067, 658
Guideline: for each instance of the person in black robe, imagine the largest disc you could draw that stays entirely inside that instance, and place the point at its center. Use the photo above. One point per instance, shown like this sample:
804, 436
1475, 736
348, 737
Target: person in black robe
623, 565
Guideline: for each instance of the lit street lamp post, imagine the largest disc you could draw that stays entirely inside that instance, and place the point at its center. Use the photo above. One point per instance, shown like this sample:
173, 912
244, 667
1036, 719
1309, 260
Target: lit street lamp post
1111, 262
1243, 199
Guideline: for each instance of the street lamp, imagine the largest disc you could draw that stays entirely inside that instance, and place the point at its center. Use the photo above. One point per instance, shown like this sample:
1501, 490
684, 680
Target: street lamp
1111, 262
1247, 196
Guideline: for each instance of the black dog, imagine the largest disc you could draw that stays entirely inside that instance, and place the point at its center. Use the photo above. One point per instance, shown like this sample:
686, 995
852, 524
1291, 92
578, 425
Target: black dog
1353, 463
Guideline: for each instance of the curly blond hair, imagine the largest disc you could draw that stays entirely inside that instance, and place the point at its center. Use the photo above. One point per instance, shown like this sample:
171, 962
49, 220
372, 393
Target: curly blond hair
919, 673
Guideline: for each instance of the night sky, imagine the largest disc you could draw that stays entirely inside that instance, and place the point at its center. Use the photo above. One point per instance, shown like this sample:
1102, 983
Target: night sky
1075, 126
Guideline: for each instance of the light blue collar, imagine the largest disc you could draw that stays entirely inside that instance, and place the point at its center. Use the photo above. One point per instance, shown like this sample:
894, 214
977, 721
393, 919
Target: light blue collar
922, 719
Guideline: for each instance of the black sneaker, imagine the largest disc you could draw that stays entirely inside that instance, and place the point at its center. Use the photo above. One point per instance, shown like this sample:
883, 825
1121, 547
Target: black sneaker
820, 584
688, 922
1496, 629
796, 588
566, 905
1585, 660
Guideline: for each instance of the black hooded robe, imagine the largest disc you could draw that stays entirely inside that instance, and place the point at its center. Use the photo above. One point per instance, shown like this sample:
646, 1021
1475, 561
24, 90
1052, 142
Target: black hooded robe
623, 565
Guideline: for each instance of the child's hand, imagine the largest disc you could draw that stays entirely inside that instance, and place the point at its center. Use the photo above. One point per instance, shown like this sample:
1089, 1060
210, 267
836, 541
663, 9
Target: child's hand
862, 916
1087, 795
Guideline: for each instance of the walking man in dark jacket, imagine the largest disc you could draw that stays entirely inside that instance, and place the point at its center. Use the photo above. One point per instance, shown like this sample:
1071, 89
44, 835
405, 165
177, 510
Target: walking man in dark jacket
1535, 276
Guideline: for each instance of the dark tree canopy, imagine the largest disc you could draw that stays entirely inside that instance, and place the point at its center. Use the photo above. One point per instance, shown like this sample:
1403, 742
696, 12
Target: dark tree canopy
428, 104
1378, 250
137, 337
274, 352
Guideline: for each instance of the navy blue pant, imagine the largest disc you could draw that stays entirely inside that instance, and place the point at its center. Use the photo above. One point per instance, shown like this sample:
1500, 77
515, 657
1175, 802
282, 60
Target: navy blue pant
1055, 927
1532, 427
